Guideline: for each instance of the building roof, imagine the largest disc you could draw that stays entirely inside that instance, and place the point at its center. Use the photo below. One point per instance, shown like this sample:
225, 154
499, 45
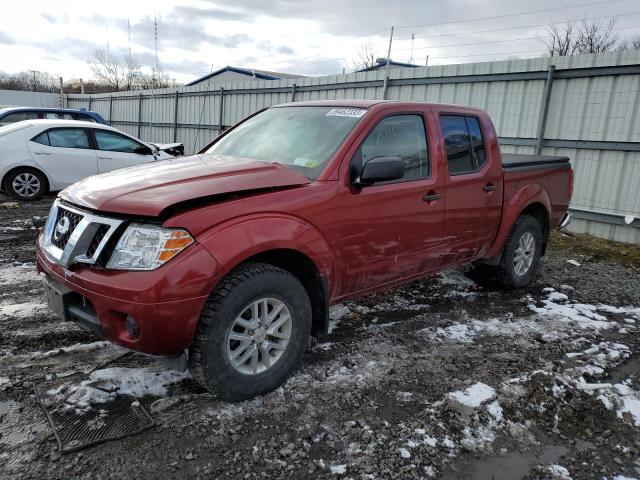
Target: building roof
381, 63
259, 74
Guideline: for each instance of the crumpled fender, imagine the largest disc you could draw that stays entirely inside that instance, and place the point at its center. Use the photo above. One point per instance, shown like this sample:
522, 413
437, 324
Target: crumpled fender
233, 242
515, 202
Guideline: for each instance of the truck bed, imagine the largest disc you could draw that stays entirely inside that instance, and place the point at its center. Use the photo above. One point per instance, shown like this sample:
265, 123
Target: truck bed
521, 162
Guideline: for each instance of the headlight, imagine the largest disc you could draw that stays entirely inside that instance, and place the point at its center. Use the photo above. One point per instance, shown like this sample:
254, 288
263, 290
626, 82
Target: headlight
146, 247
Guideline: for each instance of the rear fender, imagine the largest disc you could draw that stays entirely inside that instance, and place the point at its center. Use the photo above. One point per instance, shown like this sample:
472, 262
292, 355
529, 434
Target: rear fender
234, 242
512, 209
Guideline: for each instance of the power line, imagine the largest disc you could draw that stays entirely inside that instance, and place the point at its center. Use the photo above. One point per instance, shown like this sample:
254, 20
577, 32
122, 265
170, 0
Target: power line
514, 28
508, 15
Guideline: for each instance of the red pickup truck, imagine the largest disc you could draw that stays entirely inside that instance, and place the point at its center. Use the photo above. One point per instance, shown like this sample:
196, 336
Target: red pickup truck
229, 259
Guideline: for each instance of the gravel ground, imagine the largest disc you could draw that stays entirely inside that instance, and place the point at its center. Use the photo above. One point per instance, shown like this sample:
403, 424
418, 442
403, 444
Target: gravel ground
441, 378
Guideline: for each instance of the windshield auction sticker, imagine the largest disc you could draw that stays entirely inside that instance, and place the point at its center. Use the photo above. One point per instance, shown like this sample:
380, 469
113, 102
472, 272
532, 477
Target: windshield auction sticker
346, 112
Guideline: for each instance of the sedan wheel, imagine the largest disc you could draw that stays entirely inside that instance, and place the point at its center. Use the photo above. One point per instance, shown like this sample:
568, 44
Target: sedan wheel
26, 184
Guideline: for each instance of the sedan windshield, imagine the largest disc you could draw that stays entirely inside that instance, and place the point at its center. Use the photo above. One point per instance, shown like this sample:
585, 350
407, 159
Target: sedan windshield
303, 138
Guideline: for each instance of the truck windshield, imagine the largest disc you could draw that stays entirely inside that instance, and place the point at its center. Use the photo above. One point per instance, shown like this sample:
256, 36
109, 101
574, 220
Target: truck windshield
302, 138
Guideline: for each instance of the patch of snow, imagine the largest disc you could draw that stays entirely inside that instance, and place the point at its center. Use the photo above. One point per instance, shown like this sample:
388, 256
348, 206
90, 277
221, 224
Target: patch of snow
558, 471
573, 262
22, 310
455, 277
139, 382
430, 441
338, 469
17, 274
336, 314
404, 453
558, 297
474, 396
582, 314
628, 219
624, 477
495, 410
429, 471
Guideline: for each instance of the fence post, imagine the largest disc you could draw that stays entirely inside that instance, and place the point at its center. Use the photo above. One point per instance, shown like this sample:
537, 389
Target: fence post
221, 110
61, 102
293, 93
544, 108
110, 108
175, 118
89, 106
139, 113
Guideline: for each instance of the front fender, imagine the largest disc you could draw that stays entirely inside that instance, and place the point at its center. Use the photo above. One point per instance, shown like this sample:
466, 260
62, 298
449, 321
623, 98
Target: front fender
233, 242
515, 203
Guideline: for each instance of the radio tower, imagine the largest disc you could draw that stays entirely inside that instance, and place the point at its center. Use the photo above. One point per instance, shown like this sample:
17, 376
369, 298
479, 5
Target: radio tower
129, 35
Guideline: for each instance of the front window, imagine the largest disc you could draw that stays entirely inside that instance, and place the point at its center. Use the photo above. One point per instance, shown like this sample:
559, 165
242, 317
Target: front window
113, 142
302, 138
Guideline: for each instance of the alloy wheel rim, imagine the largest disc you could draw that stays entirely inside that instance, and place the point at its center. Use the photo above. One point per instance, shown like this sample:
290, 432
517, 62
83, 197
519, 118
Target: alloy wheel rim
26, 185
259, 336
524, 254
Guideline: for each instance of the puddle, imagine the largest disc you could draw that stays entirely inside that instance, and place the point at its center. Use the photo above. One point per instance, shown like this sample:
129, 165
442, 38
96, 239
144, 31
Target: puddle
512, 466
629, 368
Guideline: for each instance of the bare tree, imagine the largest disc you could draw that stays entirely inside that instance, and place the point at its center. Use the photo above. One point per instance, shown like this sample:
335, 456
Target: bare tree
366, 57
597, 36
562, 39
124, 73
630, 44
584, 36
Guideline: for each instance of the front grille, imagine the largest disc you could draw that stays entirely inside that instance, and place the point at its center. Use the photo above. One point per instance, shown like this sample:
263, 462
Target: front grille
97, 238
60, 239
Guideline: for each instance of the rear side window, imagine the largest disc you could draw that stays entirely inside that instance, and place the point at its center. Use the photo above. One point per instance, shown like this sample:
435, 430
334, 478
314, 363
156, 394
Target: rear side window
114, 142
397, 136
456, 142
57, 116
18, 117
42, 139
477, 145
68, 138
463, 142
85, 118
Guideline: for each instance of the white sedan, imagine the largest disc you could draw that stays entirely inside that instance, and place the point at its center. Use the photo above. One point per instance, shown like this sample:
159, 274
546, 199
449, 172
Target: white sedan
37, 156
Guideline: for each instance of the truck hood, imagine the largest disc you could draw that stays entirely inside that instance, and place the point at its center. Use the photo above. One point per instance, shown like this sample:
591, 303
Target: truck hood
149, 189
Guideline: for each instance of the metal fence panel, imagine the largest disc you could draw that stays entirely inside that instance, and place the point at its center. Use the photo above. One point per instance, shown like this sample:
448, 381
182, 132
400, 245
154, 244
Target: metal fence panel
593, 98
14, 98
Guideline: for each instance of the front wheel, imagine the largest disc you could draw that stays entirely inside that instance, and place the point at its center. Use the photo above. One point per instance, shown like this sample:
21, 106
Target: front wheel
252, 332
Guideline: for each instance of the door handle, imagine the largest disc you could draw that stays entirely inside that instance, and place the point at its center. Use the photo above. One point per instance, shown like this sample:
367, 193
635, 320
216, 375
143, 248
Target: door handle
42, 153
104, 158
432, 197
489, 187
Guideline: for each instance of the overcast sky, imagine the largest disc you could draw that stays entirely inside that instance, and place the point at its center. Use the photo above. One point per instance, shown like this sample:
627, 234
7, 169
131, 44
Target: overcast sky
314, 37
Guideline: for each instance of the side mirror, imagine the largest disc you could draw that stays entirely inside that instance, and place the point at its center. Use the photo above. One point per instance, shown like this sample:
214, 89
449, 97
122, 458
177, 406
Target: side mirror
143, 150
380, 169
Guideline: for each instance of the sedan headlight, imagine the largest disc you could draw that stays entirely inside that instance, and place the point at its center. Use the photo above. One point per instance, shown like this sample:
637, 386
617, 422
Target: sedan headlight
144, 247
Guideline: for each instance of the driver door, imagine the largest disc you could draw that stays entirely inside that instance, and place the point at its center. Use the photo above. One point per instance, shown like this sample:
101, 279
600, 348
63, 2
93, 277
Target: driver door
391, 230
115, 150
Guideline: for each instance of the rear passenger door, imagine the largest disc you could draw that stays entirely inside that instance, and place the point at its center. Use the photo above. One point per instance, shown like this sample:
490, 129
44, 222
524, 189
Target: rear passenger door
391, 230
473, 188
65, 154
115, 151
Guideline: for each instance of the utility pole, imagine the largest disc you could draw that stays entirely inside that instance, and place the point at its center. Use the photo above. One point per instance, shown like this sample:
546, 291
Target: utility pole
413, 36
61, 94
386, 67
426, 62
81, 87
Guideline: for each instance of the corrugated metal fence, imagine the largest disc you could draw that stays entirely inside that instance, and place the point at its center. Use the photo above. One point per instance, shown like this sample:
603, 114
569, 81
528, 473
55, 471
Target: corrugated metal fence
15, 98
585, 107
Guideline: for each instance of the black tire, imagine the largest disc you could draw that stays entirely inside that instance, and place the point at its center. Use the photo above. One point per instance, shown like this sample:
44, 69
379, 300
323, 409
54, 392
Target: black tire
208, 358
506, 270
35, 176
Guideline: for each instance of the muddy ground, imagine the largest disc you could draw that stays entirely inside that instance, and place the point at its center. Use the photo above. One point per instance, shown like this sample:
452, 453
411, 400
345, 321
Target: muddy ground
441, 378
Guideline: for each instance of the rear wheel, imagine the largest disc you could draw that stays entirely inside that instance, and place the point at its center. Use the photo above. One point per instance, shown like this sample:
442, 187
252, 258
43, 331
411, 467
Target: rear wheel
26, 184
252, 332
521, 254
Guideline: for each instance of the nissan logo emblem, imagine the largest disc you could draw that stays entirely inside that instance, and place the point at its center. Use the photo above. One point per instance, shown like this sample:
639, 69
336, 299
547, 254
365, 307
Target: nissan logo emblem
62, 227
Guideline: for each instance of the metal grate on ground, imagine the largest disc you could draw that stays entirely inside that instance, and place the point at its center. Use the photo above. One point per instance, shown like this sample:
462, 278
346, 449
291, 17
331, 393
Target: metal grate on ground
75, 429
